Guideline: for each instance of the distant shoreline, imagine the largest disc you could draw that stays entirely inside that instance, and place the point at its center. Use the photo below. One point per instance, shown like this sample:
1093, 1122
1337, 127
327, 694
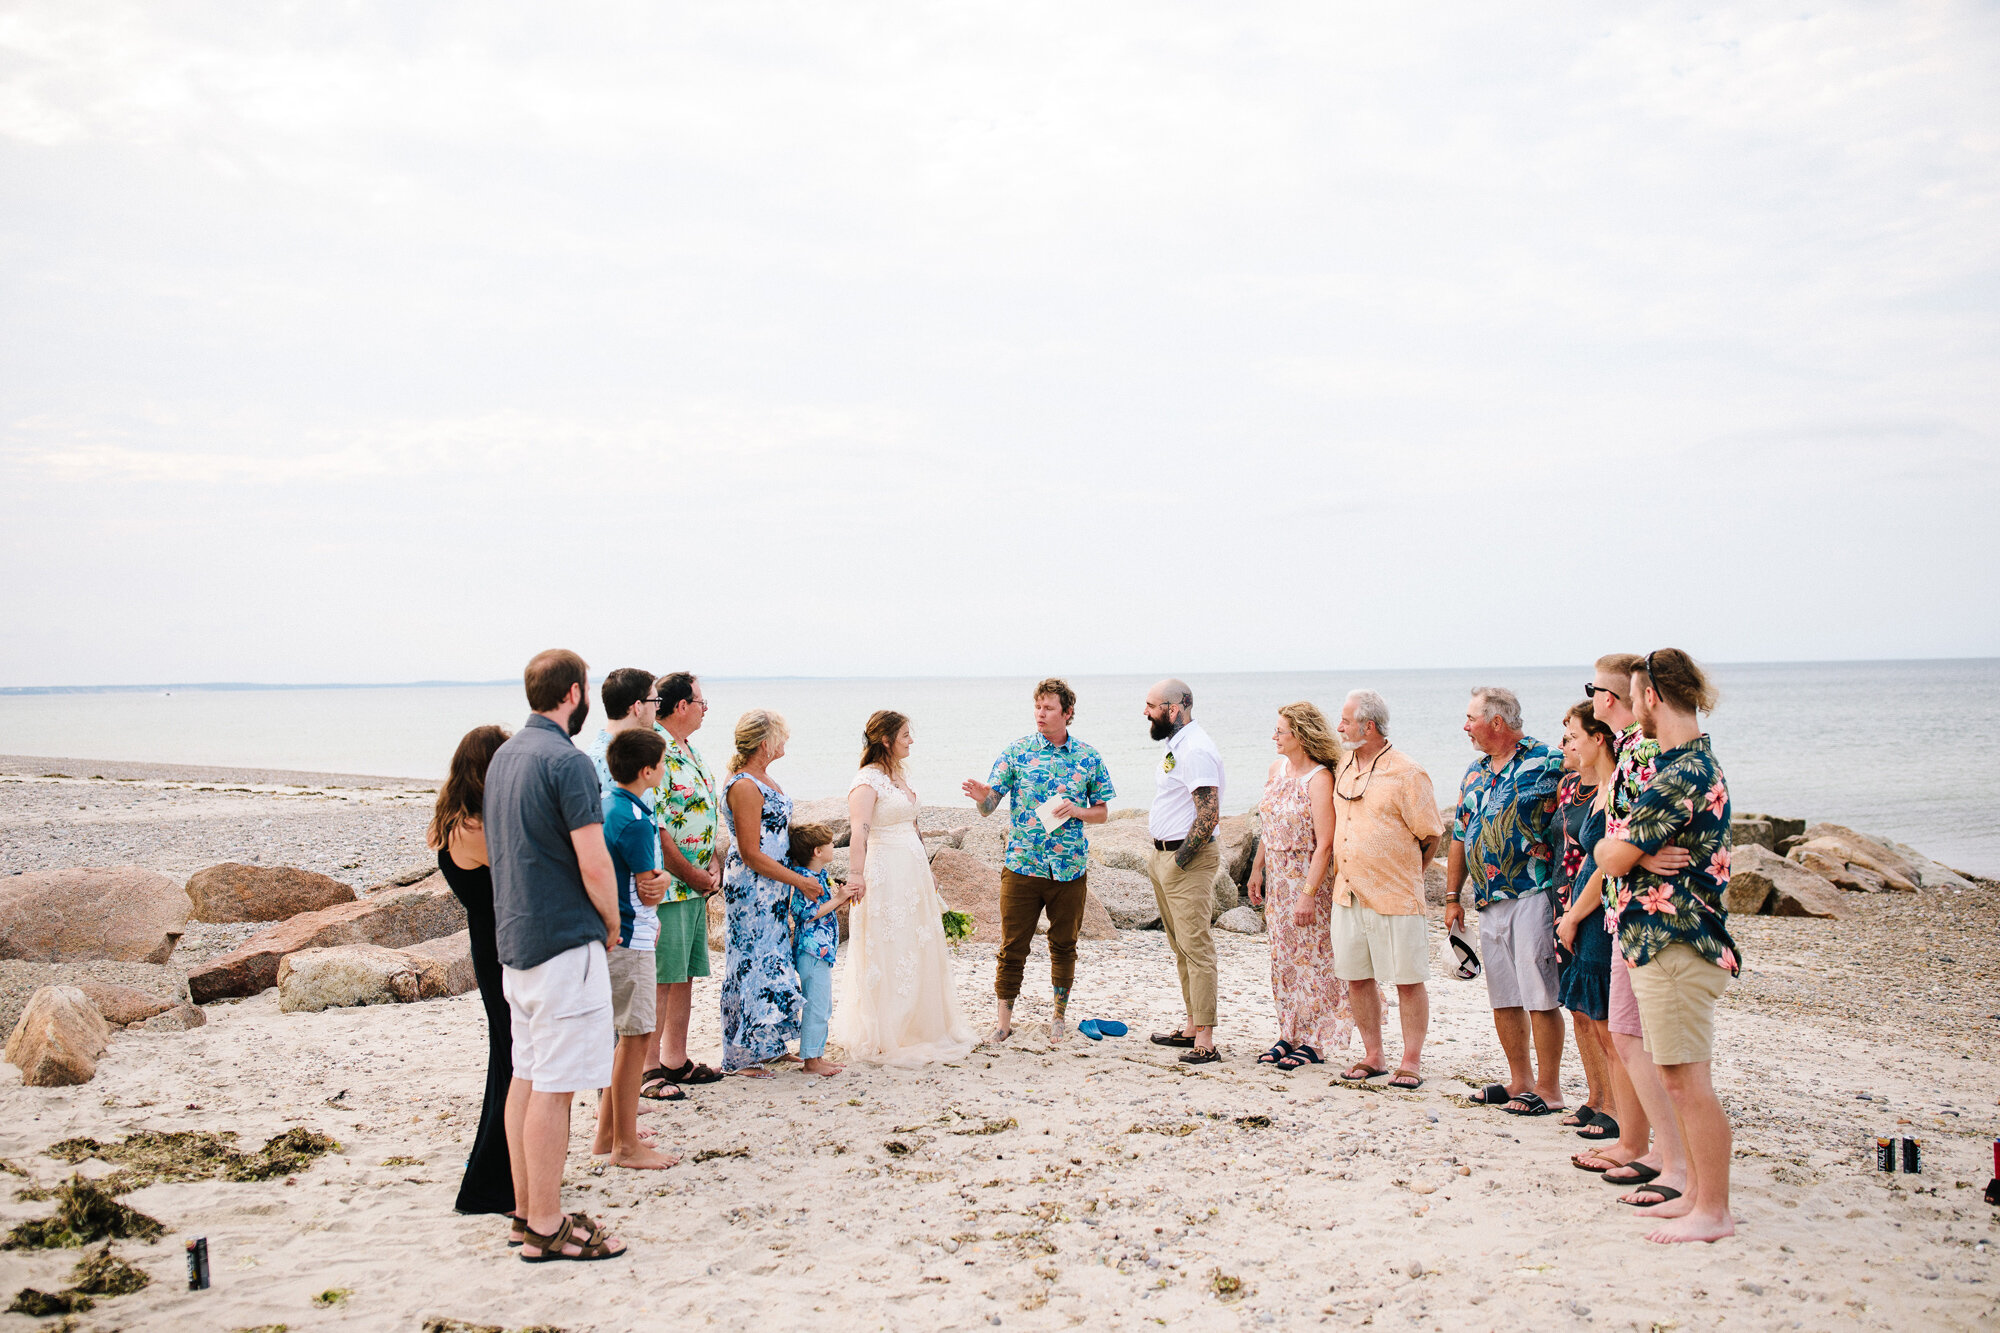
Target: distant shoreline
225, 686
120, 770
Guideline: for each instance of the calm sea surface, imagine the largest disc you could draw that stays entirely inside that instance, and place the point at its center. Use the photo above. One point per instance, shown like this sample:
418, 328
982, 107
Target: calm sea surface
1905, 749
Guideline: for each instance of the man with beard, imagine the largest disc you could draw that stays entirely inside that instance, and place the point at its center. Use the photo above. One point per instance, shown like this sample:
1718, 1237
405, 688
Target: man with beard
1187, 805
555, 908
1673, 930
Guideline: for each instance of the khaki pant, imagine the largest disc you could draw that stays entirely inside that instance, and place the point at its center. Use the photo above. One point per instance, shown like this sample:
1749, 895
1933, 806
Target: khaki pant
1187, 901
1023, 898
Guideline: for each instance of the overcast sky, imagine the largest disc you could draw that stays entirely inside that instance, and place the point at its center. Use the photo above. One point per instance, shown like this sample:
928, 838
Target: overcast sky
352, 343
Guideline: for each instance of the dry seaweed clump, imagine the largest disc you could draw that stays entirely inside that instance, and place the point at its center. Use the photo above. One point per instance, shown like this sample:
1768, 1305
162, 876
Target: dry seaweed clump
84, 1215
150, 1156
100, 1274
438, 1323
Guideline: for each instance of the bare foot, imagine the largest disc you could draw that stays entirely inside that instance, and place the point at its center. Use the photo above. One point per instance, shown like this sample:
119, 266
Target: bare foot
1059, 1027
788, 1059
1694, 1228
643, 1158
822, 1066
999, 1035
756, 1071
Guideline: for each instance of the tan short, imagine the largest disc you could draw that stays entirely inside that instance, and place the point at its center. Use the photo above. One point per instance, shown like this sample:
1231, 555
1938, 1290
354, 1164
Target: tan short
1367, 946
632, 993
1677, 990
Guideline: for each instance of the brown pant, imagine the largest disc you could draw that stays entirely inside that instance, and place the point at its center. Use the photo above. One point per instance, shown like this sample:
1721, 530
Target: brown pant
1022, 901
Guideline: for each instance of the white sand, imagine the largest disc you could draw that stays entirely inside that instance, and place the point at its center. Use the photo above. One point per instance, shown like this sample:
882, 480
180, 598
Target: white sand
1068, 1218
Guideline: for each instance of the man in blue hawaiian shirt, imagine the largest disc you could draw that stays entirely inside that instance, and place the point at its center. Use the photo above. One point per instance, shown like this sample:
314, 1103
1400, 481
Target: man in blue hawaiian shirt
1500, 838
1056, 784
1674, 931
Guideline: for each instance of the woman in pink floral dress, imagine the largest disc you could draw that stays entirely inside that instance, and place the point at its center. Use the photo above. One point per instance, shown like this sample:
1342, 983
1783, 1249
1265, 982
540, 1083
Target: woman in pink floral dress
1290, 879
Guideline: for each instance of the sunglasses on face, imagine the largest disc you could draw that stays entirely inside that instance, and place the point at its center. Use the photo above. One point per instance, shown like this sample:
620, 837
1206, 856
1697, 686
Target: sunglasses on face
1593, 689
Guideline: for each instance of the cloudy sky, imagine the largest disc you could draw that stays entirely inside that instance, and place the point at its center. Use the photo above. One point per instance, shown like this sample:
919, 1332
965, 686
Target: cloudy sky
380, 343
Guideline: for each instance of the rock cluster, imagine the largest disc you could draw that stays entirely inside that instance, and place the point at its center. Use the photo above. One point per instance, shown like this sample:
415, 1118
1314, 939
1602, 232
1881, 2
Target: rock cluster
393, 919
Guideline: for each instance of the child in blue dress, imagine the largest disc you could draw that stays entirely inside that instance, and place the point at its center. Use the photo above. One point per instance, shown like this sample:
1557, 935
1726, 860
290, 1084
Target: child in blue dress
815, 941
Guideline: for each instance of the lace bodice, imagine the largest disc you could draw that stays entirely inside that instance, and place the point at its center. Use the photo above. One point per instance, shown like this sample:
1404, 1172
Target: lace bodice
893, 805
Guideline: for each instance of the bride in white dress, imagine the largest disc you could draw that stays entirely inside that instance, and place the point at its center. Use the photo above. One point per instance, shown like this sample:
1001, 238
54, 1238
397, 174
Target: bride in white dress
894, 1000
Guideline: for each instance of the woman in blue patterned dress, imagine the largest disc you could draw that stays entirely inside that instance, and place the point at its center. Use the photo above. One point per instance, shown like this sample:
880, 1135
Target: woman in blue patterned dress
761, 1002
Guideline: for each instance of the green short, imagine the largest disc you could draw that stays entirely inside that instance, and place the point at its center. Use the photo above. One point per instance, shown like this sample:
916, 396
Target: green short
682, 951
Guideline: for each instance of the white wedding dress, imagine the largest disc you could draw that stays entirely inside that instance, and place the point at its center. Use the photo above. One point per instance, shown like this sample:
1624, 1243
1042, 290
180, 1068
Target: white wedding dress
894, 1001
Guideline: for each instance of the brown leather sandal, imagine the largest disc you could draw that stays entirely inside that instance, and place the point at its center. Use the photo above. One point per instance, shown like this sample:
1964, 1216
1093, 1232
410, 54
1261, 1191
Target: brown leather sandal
552, 1246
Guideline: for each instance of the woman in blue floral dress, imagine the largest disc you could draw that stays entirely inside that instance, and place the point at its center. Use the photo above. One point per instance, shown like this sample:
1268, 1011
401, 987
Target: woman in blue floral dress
761, 1001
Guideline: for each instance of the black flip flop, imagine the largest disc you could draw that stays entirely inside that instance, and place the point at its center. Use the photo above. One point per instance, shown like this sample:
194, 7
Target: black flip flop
1493, 1094
1172, 1039
1665, 1192
1600, 1129
1531, 1104
1642, 1174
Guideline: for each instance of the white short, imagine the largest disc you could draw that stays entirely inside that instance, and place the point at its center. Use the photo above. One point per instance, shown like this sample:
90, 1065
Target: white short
561, 1014
1517, 944
1367, 946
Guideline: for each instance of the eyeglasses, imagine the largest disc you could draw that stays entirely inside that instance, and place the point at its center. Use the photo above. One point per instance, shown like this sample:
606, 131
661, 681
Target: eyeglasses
1593, 689
656, 701
1366, 778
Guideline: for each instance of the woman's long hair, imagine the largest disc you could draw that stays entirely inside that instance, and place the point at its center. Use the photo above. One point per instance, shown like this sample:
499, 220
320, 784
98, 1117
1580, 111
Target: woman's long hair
463, 795
752, 730
878, 742
1309, 725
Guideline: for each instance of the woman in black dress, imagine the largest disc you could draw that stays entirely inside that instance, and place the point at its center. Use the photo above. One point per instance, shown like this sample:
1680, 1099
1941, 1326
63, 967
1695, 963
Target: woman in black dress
459, 838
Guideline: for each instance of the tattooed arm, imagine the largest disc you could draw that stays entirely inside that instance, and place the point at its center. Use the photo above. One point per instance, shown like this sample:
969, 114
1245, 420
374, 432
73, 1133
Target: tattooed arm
1207, 811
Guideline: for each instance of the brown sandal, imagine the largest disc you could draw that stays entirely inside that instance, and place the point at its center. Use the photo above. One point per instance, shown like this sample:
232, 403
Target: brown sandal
552, 1246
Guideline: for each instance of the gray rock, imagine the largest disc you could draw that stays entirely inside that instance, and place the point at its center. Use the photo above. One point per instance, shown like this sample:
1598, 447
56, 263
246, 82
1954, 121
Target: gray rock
124, 914
1242, 920
177, 1019
1750, 831
444, 965
830, 811
1228, 894
1762, 882
346, 975
1127, 895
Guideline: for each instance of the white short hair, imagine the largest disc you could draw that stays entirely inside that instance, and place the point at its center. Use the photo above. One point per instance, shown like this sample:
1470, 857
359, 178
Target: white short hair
1371, 707
1503, 704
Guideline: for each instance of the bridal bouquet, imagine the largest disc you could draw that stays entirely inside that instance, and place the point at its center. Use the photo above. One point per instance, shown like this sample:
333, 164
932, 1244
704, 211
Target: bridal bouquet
958, 926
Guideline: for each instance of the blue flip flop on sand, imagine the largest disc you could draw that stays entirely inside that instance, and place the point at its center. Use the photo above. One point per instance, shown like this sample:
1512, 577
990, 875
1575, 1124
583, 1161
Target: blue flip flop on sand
1097, 1029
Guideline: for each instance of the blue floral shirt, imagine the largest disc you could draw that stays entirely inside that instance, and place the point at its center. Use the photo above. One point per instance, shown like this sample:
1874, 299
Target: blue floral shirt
1504, 821
1685, 805
813, 939
1032, 771
1638, 755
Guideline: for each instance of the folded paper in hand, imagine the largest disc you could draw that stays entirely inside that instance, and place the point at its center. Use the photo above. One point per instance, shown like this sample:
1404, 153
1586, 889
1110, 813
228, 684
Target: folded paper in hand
1046, 813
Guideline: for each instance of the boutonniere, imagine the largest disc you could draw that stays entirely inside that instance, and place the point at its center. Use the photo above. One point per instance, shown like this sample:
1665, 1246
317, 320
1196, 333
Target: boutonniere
1167, 764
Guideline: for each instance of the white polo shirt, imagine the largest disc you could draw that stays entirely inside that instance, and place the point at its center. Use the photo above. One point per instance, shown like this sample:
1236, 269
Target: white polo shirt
1190, 760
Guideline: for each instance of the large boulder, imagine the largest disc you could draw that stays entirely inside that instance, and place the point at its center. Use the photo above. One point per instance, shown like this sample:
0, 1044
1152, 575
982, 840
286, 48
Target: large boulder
830, 811
987, 839
236, 892
124, 1004
1930, 874
1752, 831
1122, 844
1237, 836
1763, 883
394, 919
124, 913
1435, 883
1241, 921
1228, 896
58, 1040
968, 884
1127, 896
345, 975
1837, 842
444, 965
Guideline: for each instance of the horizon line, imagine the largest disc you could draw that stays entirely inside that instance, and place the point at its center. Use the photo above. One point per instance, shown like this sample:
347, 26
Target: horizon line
227, 686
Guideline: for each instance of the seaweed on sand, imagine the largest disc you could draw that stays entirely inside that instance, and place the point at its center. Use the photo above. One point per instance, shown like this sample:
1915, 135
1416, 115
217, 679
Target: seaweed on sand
151, 1156
100, 1274
84, 1214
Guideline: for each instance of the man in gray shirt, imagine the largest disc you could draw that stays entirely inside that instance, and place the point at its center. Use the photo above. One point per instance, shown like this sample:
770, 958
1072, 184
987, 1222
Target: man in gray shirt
555, 909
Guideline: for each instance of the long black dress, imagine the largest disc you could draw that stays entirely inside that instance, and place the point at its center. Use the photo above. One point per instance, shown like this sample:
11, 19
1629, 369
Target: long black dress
489, 1179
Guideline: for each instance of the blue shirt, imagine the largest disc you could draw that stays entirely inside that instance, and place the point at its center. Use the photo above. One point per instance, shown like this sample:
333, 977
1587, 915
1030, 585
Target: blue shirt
1032, 771
1504, 821
633, 840
814, 939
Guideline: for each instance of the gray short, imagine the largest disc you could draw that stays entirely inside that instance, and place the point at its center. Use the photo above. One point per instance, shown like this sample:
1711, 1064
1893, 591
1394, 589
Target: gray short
1517, 944
632, 993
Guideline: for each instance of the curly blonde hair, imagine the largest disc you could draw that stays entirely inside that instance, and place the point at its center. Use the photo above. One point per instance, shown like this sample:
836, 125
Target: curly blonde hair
753, 729
1309, 725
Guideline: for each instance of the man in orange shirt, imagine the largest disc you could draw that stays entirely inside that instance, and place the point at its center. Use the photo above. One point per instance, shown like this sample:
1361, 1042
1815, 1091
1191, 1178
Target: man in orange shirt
1386, 829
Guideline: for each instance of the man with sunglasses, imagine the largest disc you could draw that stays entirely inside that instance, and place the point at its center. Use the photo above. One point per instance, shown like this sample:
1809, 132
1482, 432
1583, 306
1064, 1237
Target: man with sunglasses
1673, 929
1386, 830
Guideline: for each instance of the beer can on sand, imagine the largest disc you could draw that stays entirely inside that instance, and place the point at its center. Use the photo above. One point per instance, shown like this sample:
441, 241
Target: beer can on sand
1911, 1160
1885, 1153
197, 1254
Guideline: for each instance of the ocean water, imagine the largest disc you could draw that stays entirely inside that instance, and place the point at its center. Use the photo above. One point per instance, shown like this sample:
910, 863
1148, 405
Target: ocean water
1909, 750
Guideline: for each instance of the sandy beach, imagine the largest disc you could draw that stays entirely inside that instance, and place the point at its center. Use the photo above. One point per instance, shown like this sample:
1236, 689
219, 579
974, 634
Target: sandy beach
1034, 1186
